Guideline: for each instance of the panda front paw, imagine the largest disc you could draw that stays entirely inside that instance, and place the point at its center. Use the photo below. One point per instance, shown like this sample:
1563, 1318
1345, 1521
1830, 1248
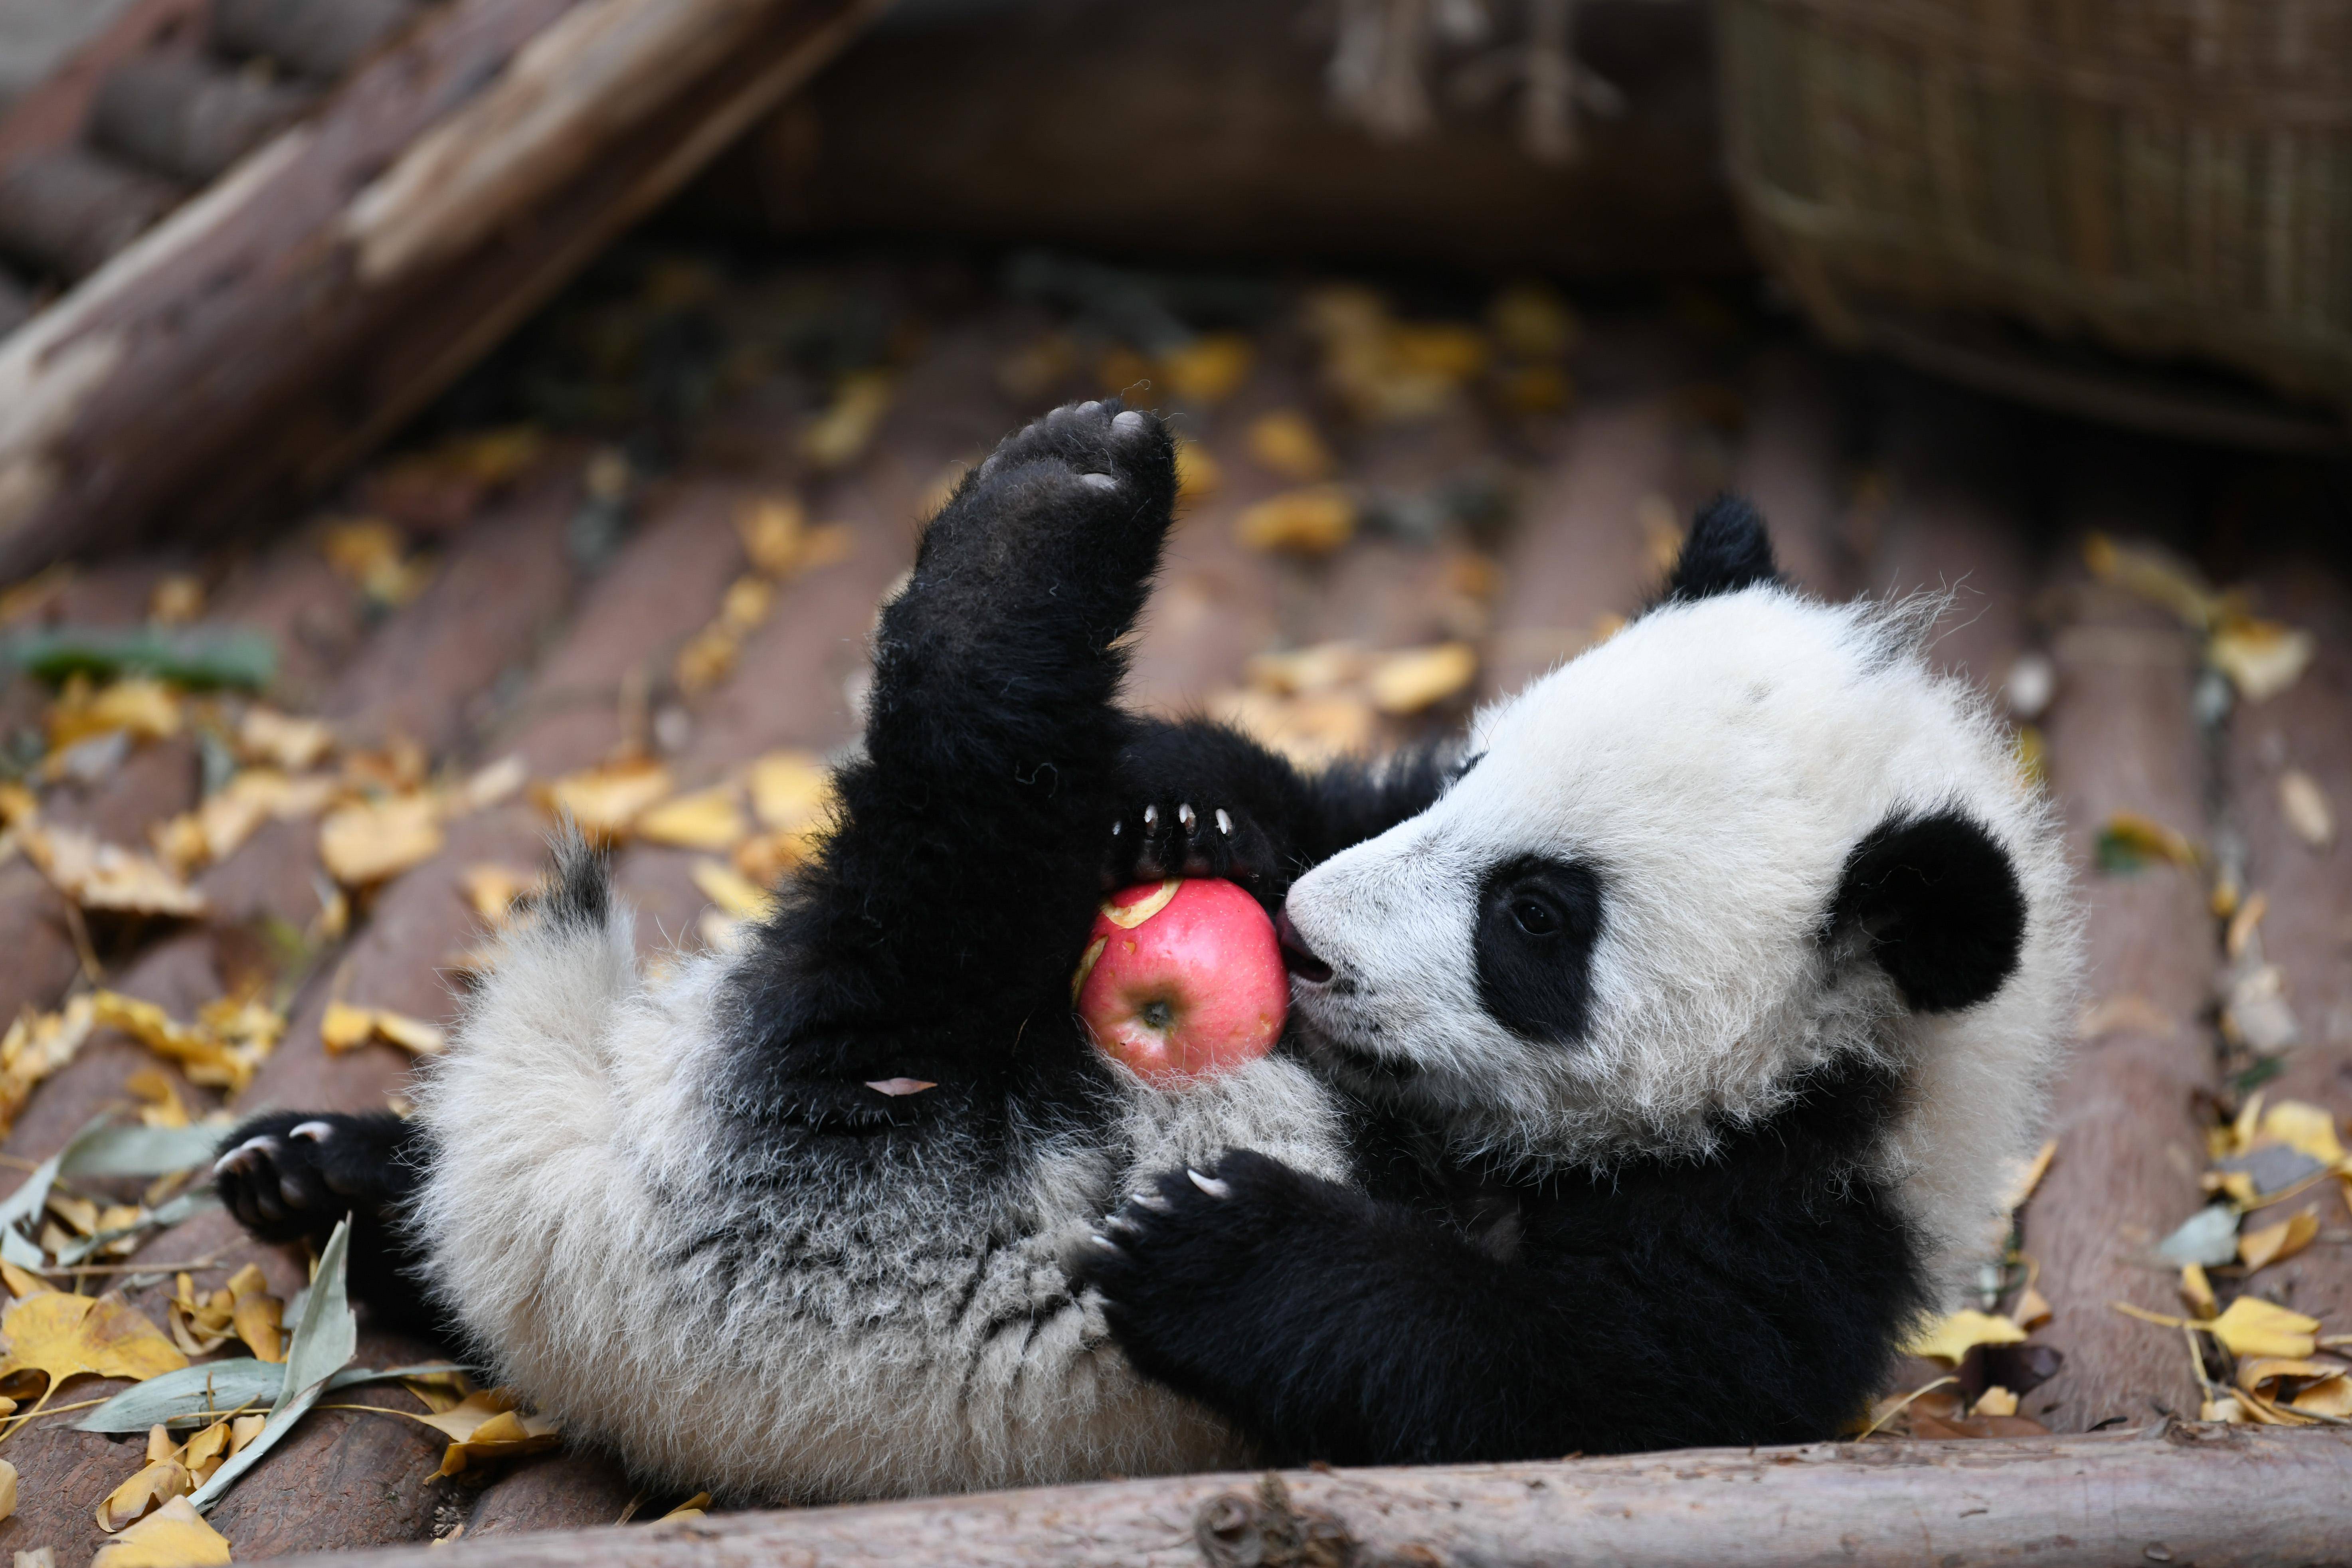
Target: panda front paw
1186, 1266
293, 1175
1176, 837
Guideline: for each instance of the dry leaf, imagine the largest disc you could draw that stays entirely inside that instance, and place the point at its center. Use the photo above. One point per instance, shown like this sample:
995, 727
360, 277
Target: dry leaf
295, 745
790, 790
2256, 1013
1323, 667
140, 707
2197, 1291
605, 802
1415, 679
1311, 522
1951, 1337
99, 875
731, 893
22, 1284
37, 1045
1996, 1401
1197, 473
176, 600
2272, 1243
707, 819
233, 814
773, 530
1532, 321
839, 436
1311, 730
2305, 806
222, 1049
493, 890
487, 1426
695, 1507
490, 785
2129, 839
2156, 576
259, 1317
367, 843
2312, 1387
156, 1483
2262, 658
2226, 1411
2304, 1126
2029, 1176
708, 658
173, 1536
2254, 1327
2245, 924
765, 859
65, 1336
345, 1028
1285, 441
2031, 1312
371, 555
1209, 369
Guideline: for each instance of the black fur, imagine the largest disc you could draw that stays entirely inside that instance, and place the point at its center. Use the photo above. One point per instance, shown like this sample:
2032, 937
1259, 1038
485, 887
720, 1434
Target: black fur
1938, 903
1538, 919
1453, 1314
1726, 550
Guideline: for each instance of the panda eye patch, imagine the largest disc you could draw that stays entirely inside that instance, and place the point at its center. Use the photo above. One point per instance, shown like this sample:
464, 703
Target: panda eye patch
1539, 917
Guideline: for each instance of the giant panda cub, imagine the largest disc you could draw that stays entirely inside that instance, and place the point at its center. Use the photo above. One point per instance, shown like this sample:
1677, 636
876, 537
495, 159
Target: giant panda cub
1656, 1058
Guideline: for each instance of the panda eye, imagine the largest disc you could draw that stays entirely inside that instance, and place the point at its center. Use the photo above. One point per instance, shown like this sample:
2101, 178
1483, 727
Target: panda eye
1535, 917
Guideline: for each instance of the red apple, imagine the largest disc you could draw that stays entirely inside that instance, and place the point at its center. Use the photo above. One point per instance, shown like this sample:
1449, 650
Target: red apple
1183, 978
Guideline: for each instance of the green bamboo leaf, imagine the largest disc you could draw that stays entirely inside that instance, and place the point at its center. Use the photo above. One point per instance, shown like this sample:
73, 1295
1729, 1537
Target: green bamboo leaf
322, 1344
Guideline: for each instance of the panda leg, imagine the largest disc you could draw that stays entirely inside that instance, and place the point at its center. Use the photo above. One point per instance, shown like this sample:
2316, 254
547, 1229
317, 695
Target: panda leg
942, 923
293, 1176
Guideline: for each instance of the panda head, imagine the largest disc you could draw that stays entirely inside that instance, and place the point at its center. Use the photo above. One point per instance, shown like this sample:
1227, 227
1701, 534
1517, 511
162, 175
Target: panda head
1746, 836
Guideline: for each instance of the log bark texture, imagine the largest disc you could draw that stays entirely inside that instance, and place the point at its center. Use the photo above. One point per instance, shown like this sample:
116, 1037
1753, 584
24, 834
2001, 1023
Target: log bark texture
2207, 1495
273, 328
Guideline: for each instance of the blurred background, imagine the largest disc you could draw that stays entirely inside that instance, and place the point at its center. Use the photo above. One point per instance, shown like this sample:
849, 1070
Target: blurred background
418, 418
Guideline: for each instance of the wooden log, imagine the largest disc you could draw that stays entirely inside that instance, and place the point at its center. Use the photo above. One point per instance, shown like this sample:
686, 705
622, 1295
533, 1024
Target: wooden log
186, 116
1203, 129
55, 113
64, 211
2171, 1494
320, 42
265, 334
2307, 932
2130, 1138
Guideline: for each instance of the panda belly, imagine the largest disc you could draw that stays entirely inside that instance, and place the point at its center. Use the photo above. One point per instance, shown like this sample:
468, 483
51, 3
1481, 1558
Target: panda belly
771, 1326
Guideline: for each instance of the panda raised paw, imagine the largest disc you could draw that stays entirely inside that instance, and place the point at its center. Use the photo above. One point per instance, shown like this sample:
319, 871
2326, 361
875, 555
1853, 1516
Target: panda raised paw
293, 1175
1175, 837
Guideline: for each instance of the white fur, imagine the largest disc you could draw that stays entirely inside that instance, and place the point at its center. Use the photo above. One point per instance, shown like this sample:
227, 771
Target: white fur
1717, 762
911, 1333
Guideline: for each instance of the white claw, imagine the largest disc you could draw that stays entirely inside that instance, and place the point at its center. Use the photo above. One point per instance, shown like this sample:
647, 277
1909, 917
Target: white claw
1224, 823
1210, 1184
235, 1159
1129, 422
1122, 1225
1116, 828
1184, 815
290, 1192
1099, 481
1151, 816
1106, 1243
1150, 1201
316, 1132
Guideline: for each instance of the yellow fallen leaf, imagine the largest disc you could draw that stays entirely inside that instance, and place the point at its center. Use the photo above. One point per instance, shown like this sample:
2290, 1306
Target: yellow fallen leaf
487, 1426
789, 789
344, 1028
1532, 321
2262, 658
221, 1052
99, 876
2031, 1312
1323, 667
606, 802
1439, 348
765, 859
281, 741
2304, 1126
839, 436
371, 555
259, 1316
65, 1336
1311, 730
746, 603
1995, 1401
156, 1483
2198, 1291
2305, 806
708, 658
723, 886
1951, 1337
2029, 1176
695, 1507
774, 529
2154, 575
1197, 473
173, 1536
707, 819
1416, 679
22, 1284
1285, 441
145, 708
2272, 1243
492, 891
231, 815
2226, 1411
1209, 369
367, 843
176, 600
489, 784
2256, 1328
1311, 522
37, 1045
2128, 837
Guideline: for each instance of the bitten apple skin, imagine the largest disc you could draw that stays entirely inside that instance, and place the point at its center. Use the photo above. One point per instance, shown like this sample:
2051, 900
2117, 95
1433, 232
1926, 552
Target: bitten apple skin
1183, 978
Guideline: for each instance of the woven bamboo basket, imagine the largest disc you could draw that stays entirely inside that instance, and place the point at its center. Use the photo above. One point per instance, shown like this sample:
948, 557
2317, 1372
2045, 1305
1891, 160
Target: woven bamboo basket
2168, 178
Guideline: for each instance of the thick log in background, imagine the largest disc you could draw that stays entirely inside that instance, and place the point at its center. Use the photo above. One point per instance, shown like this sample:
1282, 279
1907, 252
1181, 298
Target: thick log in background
1203, 129
273, 328
2209, 1495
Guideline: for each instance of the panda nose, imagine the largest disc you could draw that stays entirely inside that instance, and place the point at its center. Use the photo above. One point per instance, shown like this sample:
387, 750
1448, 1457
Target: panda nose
1296, 956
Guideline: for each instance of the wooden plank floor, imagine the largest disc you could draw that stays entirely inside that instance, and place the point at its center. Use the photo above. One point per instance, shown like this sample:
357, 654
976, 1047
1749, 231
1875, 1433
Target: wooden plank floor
533, 640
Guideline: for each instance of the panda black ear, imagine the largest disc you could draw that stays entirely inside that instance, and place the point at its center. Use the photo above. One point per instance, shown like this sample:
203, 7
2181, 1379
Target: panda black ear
1726, 549
1937, 902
